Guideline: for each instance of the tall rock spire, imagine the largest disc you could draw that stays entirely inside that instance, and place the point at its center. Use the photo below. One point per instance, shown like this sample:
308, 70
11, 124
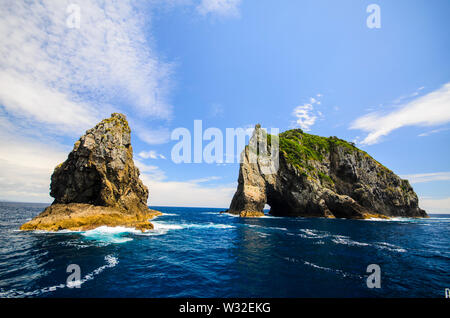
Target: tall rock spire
98, 175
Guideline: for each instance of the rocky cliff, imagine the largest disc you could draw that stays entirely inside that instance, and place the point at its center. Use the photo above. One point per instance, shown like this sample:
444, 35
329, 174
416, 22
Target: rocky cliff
320, 177
98, 184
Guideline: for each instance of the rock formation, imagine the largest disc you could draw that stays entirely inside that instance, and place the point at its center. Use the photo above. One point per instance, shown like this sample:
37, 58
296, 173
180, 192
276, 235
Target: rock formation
320, 177
98, 184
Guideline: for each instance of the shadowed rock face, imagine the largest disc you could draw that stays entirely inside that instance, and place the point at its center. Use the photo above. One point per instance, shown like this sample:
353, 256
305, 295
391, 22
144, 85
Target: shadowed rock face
100, 169
99, 172
322, 177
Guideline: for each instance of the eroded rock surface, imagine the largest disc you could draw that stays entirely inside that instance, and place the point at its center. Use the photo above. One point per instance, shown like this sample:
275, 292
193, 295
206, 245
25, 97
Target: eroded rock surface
321, 177
98, 184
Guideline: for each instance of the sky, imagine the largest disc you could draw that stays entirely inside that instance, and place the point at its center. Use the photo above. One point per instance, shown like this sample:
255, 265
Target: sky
315, 65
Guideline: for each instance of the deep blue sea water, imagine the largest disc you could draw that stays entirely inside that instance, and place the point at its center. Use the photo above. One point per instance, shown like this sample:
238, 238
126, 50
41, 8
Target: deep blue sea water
197, 252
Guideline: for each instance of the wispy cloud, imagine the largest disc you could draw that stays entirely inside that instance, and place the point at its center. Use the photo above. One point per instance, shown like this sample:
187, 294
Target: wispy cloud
57, 81
184, 193
435, 205
69, 77
434, 131
427, 177
151, 154
225, 8
306, 114
203, 180
27, 165
39, 103
154, 136
429, 110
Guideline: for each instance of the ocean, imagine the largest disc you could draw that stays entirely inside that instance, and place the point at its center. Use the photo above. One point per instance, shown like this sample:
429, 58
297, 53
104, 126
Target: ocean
197, 252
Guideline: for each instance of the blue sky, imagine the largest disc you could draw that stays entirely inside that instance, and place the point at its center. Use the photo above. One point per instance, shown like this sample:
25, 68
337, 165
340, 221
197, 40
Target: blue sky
229, 63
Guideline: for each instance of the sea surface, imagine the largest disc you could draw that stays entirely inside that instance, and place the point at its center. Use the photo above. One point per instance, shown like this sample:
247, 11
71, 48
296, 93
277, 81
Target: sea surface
197, 252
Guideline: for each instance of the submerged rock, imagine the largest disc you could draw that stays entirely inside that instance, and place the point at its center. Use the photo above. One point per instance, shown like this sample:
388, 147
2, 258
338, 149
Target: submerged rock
98, 184
320, 177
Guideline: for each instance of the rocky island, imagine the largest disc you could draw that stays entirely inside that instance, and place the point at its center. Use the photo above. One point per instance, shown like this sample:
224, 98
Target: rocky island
320, 177
98, 184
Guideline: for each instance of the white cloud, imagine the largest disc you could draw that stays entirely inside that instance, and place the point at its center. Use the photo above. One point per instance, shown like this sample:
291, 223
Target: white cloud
151, 154
150, 172
226, 8
56, 81
183, 193
432, 109
27, 165
427, 177
434, 131
151, 136
23, 98
306, 115
436, 206
75, 74
305, 118
178, 193
203, 180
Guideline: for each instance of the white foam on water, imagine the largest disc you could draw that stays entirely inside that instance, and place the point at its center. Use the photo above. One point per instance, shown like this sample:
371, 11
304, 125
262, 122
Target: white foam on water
266, 227
327, 269
313, 234
400, 219
268, 216
340, 239
207, 226
111, 261
110, 234
390, 247
230, 214
161, 228
345, 240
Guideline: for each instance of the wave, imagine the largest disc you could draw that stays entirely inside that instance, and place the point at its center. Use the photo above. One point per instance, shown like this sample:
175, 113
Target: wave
108, 234
408, 220
230, 214
345, 240
315, 234
161, 228
111, 261
340, 239
120, 234
266, 227
390, 247
327, 269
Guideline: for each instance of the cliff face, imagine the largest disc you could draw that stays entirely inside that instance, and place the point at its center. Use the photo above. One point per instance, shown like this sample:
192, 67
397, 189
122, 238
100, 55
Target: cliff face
100, 170
321, 177
98, 184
